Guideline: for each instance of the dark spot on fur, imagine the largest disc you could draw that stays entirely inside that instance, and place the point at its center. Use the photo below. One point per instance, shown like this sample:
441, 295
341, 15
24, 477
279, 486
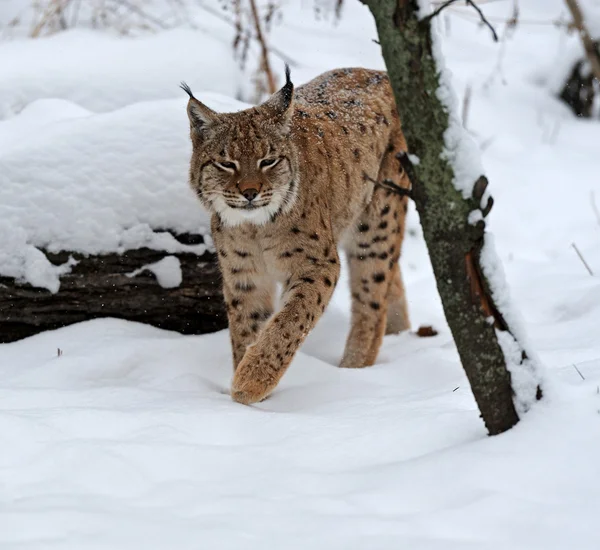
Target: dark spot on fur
362, 128
380, 238
298, 250
307, 280
362, 227
327, 281
260, 315
287, 254
295, 230
385, 209
383, 256
312, 259
314, 237
364, 245
331, 115
302, 114
241, 253
356, 154
319, 299
244, 287
235, 302
379, 277
383, 225
375, 305
244, 334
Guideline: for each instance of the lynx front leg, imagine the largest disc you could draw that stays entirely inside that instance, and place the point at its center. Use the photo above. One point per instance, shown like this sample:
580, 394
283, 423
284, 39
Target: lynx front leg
247, 290
249, 302
265, 362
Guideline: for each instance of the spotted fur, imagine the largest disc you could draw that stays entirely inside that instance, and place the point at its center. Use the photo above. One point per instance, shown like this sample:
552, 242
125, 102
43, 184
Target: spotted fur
288, 183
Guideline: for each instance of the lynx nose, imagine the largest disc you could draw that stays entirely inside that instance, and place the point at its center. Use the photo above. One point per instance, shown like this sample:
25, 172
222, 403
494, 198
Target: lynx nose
250, 194
249, 189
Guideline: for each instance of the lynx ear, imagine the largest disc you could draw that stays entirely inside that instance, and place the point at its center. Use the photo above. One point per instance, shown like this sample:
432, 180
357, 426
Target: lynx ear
201, 117
280, 103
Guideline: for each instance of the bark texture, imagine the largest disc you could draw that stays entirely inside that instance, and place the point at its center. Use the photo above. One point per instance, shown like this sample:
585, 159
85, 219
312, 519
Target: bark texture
454, 244
99, 287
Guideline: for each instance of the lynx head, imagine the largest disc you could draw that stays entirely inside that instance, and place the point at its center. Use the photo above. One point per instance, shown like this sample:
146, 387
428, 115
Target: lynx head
244, 166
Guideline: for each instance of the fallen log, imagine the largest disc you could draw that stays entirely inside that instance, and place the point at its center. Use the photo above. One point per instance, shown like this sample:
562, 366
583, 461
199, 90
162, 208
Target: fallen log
113, 285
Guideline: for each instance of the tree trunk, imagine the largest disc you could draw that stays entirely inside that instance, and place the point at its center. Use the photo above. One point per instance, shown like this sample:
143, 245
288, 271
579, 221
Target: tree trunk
453, 242
102, 286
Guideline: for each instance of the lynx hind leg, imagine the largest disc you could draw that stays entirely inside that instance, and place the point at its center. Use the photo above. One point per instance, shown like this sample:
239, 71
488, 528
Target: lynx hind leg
372, 254
397, 307
378, 298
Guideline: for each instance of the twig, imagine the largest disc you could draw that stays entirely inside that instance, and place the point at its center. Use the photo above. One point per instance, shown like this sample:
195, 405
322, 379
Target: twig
276, 51
588, 44
595, 207
466, 105
470, 3
390, 186
578, 371
582, 259
266, 66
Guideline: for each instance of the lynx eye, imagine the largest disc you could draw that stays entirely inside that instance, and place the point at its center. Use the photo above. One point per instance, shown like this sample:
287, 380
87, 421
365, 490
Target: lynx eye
268, 163
226, 165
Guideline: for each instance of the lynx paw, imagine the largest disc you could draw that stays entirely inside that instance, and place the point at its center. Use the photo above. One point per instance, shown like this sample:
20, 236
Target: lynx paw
253, 381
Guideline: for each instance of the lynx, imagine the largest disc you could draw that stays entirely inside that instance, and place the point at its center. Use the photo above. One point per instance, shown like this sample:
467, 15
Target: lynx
287, 183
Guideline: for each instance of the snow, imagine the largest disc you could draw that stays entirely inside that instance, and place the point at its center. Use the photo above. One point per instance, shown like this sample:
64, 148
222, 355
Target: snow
118, 435
96, 183
167, 271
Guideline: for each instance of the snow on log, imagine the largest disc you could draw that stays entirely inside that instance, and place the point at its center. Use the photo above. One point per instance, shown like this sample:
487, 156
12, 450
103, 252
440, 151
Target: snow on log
126, 286
97, 219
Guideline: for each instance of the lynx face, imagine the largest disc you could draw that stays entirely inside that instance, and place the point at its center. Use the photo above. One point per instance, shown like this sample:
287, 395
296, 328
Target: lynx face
244, 166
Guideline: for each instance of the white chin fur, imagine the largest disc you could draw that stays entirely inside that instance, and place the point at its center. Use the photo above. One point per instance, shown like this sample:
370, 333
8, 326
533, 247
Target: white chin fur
280, 202
237, 216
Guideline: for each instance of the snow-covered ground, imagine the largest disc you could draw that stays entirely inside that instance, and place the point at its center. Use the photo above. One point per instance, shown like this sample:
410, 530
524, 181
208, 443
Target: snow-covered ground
127, 439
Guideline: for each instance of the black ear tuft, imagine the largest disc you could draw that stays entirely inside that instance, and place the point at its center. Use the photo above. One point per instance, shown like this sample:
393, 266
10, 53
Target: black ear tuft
288, 88
187, 90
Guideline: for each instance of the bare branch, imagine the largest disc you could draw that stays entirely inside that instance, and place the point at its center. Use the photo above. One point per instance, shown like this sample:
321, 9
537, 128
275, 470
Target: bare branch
470, 3
588, 44
582, 259
265, 65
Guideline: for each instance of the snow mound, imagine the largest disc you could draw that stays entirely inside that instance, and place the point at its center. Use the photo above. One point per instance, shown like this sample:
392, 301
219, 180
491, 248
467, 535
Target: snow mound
114, 72
96, 183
